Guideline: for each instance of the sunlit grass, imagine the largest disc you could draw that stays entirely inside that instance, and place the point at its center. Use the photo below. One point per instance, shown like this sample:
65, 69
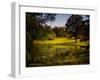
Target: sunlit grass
55, 41
64, 41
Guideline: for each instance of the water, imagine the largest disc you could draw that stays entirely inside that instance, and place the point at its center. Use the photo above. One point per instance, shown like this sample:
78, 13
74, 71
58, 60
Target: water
53, 55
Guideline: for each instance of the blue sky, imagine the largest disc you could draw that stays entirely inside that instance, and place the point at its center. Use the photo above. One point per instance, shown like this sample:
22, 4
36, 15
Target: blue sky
61, 20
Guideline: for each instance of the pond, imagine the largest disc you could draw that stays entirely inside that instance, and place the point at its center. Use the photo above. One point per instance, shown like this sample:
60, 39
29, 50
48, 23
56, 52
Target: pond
54, 55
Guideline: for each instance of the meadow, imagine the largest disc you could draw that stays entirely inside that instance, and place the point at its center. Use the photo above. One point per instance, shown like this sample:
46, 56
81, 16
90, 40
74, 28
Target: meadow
63, 41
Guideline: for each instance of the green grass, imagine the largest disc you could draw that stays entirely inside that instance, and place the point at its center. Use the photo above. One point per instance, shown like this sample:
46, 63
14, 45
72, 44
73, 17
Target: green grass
63, 41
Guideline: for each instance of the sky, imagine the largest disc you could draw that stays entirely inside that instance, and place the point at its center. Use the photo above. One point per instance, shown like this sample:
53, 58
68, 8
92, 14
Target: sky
61, 20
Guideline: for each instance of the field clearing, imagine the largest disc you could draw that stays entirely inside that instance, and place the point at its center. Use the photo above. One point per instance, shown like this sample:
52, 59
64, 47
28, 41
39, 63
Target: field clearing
62, 41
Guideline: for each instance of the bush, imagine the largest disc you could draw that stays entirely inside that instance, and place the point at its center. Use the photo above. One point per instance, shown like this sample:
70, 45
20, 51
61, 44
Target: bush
51, 36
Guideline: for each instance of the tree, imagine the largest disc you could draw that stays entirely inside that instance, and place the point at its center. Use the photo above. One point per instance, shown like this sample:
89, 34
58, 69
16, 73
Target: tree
73, 25
36, 23
56, 30
36, 27
44, 17
84, 31
60, 31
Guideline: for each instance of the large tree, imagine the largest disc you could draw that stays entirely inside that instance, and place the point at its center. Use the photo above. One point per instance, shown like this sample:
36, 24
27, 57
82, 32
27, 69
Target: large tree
73, 25
84, 31
36, 29
36, 26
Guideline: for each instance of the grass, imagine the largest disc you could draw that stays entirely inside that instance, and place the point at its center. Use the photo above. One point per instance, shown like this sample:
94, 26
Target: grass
63, 41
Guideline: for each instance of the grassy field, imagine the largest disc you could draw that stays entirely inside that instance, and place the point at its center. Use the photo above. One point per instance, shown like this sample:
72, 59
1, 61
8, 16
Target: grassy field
63, 41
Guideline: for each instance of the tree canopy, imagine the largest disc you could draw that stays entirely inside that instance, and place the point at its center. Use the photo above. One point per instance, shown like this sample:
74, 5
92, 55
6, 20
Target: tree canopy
77, 26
